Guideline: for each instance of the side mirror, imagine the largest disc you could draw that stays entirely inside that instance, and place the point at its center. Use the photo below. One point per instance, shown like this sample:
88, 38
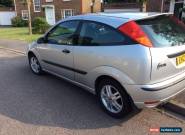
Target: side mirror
42, 40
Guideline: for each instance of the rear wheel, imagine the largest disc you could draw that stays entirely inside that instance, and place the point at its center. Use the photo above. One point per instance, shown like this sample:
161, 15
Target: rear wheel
113, 98
35, 65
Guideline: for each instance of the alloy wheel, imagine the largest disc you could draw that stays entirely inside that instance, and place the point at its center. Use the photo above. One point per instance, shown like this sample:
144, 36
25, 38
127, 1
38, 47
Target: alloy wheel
111, 99
34, 63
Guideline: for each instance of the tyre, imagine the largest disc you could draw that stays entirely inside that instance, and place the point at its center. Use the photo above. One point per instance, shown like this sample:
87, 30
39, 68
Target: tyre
35, 65
113, 98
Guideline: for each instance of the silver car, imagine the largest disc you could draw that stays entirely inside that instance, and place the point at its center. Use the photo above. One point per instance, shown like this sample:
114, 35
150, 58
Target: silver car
125, 59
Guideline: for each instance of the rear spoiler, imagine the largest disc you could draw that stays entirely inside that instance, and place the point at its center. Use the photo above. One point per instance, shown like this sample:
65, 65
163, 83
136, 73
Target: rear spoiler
153, 15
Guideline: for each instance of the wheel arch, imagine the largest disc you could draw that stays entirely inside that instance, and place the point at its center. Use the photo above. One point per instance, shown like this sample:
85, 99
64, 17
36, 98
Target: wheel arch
102, 77
31, 53
102, 72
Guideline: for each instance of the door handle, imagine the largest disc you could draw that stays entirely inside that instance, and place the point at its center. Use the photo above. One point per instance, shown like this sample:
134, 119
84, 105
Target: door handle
66, 51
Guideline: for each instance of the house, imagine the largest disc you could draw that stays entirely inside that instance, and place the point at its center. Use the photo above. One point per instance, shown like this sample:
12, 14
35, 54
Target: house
165, 5
124, 6
54, 10
176, 5
172, 6
6, 14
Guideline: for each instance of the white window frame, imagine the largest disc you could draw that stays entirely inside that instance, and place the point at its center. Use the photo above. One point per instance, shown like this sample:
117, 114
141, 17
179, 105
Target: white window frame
35, 4
64, 15
25, 12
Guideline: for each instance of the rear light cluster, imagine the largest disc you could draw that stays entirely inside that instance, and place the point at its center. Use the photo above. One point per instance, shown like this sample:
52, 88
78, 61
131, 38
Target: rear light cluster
135, 32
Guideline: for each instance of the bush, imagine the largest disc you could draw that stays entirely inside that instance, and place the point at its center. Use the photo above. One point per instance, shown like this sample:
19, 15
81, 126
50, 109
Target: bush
40, 25
183, 19
19, 22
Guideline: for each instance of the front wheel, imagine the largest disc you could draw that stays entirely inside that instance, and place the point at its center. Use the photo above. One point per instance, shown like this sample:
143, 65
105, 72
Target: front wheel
35, 65
113, 98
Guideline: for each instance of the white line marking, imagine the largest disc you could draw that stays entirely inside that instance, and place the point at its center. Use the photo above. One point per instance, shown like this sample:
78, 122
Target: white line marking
13, 50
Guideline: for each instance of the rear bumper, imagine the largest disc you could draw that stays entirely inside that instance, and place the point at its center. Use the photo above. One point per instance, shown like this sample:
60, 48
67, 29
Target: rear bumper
155, 94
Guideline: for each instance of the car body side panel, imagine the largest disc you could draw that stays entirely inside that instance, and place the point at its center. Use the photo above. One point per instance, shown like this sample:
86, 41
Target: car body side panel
160, 57
92, 75
127, 63
55, 60
33, 48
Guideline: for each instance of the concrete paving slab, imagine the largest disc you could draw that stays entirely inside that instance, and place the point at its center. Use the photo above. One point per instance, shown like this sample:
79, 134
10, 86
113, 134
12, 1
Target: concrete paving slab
14, 44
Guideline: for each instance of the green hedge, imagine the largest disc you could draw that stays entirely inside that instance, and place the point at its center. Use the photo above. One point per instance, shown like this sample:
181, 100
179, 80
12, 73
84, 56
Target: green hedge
19, 22
40, 25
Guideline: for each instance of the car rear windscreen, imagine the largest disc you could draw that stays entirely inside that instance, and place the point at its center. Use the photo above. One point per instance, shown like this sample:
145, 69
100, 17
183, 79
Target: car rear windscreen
164, 31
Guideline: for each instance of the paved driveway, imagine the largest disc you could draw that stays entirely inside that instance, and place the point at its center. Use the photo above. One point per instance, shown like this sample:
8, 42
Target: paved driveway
31, 105
14, 44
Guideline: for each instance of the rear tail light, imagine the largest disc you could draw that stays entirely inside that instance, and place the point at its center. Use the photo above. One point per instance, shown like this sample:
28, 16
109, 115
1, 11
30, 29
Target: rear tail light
135, 32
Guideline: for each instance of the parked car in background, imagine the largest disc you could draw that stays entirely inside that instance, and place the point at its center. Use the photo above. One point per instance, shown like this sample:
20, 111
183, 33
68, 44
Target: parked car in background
123, 58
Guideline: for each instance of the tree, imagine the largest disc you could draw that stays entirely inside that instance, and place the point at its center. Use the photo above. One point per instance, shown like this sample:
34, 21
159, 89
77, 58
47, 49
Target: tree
113, 1
92, 5
6, 3
28, 3
182, 13
144, 4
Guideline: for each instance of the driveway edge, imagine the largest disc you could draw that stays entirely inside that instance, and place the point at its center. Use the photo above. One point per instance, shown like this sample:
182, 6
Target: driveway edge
176, 107
13, 50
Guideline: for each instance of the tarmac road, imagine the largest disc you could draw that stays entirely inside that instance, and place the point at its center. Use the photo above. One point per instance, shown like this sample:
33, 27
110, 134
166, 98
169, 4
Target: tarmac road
46, 105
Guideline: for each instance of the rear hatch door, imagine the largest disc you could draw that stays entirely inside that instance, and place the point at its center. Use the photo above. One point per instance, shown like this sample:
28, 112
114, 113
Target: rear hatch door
167, 34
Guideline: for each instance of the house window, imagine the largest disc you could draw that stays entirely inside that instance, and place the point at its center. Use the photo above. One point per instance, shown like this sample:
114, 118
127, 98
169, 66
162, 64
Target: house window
25, 14
37, 5
67, 13
49, 0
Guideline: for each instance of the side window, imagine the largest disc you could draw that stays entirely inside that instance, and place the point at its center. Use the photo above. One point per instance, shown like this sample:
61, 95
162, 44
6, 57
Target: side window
63, 33
95, 34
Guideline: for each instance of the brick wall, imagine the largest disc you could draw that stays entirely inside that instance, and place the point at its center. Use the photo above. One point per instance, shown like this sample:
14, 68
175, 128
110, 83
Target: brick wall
76, 5
20, 6
154, 6
86, 6
123, 5
60, 4
6, 8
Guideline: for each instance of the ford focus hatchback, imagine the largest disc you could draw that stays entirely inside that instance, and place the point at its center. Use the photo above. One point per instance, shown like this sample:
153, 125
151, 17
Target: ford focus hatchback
123, 58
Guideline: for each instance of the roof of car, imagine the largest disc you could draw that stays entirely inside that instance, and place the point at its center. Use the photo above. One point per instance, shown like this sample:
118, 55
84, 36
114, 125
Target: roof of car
114, 19
124, 15
132, 15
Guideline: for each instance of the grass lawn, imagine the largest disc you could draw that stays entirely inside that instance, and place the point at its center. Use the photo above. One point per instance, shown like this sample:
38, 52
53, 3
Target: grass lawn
18, 34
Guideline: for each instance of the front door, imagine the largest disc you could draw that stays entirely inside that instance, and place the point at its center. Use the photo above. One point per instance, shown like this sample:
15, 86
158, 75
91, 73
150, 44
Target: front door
50, 15
57, 54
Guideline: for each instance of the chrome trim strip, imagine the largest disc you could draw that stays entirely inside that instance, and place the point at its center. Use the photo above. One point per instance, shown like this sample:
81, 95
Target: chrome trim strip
65, 67
153, 88
91, 90
176, 54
